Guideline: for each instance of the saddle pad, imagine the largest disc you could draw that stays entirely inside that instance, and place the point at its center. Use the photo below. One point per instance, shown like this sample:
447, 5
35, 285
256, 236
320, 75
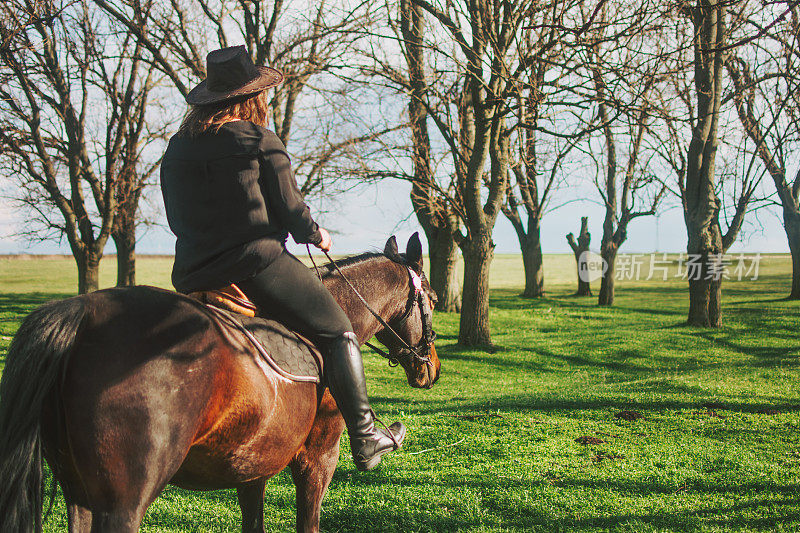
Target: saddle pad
287, 352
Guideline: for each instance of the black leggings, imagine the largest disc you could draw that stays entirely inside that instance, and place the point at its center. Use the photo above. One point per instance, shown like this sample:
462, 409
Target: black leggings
289, 291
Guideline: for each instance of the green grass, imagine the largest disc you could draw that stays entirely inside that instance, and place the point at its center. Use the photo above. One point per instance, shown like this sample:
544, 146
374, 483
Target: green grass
492, 446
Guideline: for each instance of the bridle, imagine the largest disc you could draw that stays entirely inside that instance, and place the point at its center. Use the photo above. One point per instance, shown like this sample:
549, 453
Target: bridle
420, 352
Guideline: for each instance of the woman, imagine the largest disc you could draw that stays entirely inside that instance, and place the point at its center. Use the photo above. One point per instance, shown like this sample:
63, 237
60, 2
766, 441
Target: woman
231, 200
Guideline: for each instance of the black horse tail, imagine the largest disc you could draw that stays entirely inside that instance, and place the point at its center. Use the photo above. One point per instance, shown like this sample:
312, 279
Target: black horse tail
35, 363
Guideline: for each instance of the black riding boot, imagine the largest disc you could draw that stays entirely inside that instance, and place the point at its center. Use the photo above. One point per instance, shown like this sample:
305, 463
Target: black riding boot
345, 374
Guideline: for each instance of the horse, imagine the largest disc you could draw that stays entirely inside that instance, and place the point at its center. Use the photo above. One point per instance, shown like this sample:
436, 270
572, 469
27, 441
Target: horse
125, 390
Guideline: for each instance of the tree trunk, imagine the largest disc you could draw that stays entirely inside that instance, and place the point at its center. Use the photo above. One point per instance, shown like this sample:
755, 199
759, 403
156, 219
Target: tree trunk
705, 289
607, 282
699, 297
791, 224
443, 254
579, 249
474, 326
704, 303
531, 247
584, 286
88, 271
705, 250
125, 243
700, 202
123, 231
439, 224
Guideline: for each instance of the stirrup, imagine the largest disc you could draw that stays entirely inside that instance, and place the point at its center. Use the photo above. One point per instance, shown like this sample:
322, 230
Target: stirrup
397, 445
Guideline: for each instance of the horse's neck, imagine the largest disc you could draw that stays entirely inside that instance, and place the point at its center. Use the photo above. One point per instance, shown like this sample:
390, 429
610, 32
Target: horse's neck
381, 282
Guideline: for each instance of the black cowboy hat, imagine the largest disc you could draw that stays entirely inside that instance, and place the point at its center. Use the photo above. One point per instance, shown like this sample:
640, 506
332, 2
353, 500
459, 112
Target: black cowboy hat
230, 74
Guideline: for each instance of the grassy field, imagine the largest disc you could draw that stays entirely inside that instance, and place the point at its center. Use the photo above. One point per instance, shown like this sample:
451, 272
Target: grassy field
495, 445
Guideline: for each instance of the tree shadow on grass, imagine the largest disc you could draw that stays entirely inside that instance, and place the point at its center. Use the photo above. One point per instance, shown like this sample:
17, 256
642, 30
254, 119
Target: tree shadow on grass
769, 355
557, 403
670, 299
740, 332
619, 361
509, 300
642, 486
764, 301
500, 507
14, 307
24, 303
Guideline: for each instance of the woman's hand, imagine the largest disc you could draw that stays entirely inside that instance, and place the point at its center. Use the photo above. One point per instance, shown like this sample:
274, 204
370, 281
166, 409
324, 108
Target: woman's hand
325, 243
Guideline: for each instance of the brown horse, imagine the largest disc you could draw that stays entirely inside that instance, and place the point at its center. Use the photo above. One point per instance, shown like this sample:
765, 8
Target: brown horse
126, 390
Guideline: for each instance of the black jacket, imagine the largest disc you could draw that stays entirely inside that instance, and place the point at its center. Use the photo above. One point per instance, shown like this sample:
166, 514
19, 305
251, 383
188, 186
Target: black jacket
230, 198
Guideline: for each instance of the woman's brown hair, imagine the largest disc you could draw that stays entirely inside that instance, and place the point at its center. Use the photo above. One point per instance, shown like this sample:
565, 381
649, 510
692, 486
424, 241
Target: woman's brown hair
201, 118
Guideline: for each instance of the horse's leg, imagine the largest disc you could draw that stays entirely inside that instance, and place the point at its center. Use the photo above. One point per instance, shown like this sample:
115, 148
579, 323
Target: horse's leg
57, 454
83, 516
117, 521
251, 502
79, 517
126, 439
314, 464
120, 478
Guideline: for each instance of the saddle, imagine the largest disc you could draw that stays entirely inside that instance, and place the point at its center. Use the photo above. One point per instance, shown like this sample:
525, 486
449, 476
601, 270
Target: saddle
230, 298
285, 351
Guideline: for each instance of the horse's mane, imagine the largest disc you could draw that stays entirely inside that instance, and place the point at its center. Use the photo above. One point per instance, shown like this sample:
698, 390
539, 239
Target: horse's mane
327, 269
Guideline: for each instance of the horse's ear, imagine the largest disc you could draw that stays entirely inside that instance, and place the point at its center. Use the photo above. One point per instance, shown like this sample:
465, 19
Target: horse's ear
391, 248
414, 252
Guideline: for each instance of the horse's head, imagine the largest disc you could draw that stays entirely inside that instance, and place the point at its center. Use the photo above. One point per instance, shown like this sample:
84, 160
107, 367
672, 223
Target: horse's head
415, 322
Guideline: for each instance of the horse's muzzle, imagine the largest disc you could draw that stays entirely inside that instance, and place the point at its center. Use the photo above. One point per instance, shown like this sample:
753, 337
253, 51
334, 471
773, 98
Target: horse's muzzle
423, 375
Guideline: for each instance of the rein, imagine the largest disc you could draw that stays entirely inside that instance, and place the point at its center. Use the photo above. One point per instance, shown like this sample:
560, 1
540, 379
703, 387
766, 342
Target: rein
428, 335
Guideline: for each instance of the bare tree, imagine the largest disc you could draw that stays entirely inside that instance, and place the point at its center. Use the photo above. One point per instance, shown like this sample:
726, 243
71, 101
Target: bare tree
462, 86
765, 93
624, 112
477, 74
535, 175
303, 45
139, 122
135, 172
67, 110
697, 172
485, 59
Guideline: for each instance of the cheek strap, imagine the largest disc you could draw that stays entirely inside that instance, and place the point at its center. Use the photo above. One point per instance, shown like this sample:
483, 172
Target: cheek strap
428, 335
